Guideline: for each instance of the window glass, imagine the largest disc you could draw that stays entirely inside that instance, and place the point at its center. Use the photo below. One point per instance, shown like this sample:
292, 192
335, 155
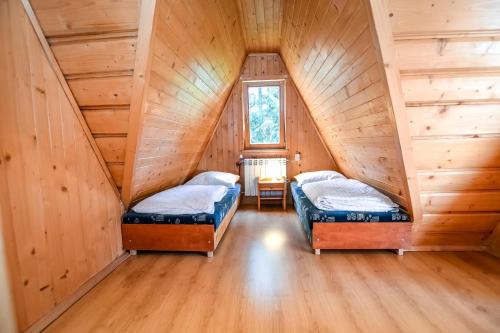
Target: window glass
264, 114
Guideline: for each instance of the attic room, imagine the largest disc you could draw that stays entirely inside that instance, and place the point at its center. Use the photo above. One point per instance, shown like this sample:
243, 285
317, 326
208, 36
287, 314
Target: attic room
250, 166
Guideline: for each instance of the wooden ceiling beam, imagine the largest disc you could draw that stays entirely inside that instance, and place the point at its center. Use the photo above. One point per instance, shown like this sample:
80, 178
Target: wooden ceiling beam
142, 71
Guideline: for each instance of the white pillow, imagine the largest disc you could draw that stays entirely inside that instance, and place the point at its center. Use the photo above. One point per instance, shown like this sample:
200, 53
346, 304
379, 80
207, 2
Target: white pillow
214, 178
317, 176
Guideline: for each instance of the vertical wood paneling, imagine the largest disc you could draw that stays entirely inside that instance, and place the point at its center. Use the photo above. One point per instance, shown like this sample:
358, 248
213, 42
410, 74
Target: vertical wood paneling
197, 52
61, 217
448, 60
332, 59
226, 145
94, 44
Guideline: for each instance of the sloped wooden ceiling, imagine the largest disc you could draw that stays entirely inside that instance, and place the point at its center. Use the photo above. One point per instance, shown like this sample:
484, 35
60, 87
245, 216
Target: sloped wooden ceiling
330, 52
227, 143
196, 52
450, 82
261, 21
94, 43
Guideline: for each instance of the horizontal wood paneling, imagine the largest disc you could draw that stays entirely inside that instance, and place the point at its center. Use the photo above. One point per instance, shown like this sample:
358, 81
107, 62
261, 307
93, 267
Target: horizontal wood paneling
466, 201
102, 91
451, 87
465, 222
425, 54
460, 239
61, 17
194, 64
429, 16
460, 180
456, 229
107, 121
448, 54
96, 56
457, 153
333, 61
454, 119
226, 145
61, 217
261, 23
112, 148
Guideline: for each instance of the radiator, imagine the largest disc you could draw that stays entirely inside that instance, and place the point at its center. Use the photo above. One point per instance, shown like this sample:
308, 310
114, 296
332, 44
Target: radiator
262, 167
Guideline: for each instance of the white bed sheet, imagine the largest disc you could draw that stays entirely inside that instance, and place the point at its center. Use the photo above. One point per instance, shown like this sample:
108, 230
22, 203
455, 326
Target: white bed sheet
347, 195
183, 199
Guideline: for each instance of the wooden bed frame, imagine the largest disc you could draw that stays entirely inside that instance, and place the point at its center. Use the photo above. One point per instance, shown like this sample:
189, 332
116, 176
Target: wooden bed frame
361, 235
176, 237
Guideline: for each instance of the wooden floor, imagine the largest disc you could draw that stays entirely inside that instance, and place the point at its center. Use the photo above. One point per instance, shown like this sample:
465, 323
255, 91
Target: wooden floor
264, 278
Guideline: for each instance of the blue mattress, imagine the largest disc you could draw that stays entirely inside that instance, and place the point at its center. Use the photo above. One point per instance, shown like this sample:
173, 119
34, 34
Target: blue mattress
221, 209
309, 214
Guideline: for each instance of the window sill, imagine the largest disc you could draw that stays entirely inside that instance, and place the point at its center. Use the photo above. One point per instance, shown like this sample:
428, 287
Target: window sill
252, 153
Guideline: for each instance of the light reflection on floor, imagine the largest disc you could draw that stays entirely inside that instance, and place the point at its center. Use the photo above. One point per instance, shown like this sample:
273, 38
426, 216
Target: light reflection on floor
266, 265
274, 239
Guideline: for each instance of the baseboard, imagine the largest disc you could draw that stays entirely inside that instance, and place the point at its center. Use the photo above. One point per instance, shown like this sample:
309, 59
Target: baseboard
56, 312
446, 248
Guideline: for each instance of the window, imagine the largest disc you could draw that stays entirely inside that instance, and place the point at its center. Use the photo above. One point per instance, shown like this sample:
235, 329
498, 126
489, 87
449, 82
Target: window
264, 114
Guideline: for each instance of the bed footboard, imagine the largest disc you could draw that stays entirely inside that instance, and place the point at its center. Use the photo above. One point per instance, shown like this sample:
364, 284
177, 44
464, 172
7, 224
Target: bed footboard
369, 235
176, 237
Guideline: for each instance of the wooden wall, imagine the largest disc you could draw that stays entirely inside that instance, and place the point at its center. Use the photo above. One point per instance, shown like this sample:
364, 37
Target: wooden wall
95, 44
193, 65
448, 53
327, 46
261, 22
494, 242
227, 144
60, 214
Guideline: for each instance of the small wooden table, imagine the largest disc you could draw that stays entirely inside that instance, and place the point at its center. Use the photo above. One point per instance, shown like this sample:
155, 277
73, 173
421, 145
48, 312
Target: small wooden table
272, 184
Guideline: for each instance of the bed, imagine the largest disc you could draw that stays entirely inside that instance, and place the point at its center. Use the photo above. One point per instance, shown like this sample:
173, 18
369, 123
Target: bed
351, 230
180, 232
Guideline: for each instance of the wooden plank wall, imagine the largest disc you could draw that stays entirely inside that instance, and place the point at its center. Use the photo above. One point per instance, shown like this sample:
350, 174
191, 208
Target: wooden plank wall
261, 22
194, 64
94, 44
449, 61
494, 242
328, 48
60, 214
227, 144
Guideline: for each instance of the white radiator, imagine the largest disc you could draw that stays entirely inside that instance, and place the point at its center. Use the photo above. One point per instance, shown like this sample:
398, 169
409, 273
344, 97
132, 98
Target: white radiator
262, 167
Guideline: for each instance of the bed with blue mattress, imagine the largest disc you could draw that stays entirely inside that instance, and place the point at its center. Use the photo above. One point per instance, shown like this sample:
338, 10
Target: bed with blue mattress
184, 232
221, 209
351, 230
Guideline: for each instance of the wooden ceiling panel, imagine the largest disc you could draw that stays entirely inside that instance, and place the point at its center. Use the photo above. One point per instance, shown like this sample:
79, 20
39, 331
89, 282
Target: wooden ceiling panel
196, 55
71, 17
331, 55
261, 23
96, 56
